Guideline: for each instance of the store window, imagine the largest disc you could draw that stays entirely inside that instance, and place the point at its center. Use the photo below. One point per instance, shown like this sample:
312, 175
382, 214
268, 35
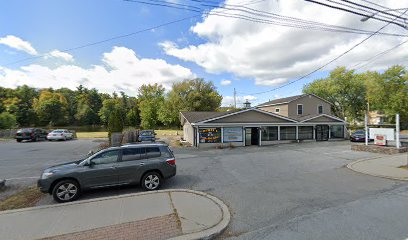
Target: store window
305, 132
269, 133
287, 133
336, 131
210, 135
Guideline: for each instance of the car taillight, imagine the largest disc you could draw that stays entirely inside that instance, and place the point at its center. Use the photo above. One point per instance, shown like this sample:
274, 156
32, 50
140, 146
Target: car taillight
171, 161
62, 134
32, 134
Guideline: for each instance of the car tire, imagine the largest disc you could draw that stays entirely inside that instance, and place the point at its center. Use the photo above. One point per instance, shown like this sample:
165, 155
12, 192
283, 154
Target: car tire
66, 191
18, 140
35, 139
151, 181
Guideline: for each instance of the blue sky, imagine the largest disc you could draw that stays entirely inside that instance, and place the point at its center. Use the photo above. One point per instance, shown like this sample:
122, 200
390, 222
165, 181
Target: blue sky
58, 25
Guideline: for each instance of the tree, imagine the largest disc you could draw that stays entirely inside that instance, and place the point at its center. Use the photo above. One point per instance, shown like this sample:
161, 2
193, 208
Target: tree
388, 92
151, 97
7, 120
116, 122
189, 95
345, 90
89, 103
51, 108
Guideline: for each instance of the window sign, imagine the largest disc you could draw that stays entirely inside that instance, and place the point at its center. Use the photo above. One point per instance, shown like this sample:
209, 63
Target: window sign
210, 135
233, 134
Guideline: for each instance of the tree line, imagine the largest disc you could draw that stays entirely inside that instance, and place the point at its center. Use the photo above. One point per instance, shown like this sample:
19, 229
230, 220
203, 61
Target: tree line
352, 94
152, 107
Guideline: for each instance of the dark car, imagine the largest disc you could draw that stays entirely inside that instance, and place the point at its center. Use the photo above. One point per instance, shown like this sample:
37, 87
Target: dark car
144, 164
147, 136
358, 136
31, 134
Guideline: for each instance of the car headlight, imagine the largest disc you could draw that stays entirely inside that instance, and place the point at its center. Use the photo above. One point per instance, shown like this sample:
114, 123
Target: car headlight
46, 175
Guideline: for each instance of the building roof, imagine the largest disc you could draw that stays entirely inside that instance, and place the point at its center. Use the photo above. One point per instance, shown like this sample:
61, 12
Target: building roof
288, 100
193, 117
281, 100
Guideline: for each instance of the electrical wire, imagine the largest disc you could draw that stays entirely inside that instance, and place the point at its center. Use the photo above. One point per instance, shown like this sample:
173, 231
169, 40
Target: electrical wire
326, 64
354, 12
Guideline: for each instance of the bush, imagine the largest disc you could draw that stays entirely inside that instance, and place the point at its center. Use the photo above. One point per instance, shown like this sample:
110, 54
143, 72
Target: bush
7, 120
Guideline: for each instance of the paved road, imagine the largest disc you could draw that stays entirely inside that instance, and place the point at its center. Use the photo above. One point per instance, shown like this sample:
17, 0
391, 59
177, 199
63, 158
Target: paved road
289, 191
28, 159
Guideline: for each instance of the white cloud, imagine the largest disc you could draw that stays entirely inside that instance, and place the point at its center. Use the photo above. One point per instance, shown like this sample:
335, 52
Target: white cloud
63, 55
18, 43
225, 82
229, 100
272, 55
121, 70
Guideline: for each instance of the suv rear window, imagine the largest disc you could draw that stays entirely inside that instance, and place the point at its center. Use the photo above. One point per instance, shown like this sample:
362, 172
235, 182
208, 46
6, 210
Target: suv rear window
152, 152
130, 154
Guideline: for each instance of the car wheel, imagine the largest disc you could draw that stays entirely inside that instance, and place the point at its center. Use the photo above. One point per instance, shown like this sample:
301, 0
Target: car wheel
151, 181
18, 140
66, 191
35, 139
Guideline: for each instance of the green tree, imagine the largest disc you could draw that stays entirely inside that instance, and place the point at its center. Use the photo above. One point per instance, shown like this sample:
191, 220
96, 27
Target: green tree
345, 90
388, 92
116, 122
7, 120
89, 103
151, 97
51, 108
189, 95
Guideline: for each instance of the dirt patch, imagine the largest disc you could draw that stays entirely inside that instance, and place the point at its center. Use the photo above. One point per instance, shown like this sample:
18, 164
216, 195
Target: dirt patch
26, 197
404, 167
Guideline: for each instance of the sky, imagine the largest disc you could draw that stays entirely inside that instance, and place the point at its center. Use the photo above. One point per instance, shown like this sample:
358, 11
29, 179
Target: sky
117, 45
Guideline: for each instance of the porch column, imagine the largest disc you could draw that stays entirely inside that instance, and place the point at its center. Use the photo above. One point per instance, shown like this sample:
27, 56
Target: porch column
329, 132
222, 134
314, 132
243, 136
260, 136
198, 137
278, 133
297, 132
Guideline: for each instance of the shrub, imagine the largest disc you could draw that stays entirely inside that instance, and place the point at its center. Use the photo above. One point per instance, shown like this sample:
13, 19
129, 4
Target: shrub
7, 120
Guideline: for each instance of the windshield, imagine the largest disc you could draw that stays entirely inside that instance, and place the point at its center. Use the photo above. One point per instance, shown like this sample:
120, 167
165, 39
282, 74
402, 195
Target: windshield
57, 131
147, 133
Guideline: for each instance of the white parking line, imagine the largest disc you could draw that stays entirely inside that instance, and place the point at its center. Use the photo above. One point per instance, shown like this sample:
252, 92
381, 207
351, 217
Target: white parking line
8, 179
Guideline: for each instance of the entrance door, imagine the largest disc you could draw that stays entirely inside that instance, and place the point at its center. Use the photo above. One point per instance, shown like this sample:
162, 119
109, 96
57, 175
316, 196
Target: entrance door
251, 136
322, 132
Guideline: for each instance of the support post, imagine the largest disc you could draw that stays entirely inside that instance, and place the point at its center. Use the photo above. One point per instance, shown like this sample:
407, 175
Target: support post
297, 132
329, 133
278, 133
260, 136
198, 137
314, 132
397, 127
222, 135
366, 128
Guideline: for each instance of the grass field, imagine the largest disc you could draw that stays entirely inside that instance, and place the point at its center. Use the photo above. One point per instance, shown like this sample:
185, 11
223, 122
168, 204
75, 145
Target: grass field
169, 132
92, 134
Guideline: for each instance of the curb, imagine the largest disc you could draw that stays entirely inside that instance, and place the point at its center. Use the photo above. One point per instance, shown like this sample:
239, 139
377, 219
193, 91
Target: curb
213, 231
350, 166
208, 233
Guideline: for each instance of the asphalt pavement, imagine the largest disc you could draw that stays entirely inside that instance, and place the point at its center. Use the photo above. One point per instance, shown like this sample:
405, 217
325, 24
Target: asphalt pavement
268, 188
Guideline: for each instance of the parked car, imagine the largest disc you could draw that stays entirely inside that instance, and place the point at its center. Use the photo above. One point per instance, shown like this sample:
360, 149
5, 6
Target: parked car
358, 136
144, 164
60, 134
147, 136
32, 134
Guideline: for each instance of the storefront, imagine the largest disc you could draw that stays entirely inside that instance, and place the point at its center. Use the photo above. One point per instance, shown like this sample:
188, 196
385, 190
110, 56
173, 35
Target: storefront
257, 127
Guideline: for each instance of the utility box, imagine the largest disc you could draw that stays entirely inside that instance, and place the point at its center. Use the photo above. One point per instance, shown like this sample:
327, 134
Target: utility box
380, 140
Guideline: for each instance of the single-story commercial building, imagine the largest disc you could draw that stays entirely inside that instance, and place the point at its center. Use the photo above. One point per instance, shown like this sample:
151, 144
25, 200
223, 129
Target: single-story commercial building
256, 126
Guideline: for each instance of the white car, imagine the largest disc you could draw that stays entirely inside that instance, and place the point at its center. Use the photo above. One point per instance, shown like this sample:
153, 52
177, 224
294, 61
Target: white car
60, 134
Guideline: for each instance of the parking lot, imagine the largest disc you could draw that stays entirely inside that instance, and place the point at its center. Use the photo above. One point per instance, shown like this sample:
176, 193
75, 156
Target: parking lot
287, 191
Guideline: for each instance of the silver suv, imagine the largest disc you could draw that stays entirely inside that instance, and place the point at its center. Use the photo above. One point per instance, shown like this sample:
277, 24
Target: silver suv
144, 164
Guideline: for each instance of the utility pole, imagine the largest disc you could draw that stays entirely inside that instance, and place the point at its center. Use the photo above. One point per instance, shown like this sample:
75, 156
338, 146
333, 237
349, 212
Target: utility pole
235, 98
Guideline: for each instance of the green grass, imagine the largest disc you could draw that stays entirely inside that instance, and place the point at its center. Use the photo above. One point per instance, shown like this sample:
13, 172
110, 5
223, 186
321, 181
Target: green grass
92, 134
27, 197
168, 132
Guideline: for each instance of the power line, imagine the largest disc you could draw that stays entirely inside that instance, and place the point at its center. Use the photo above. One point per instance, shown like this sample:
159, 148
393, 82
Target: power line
367, 7
279, 20
326, 64
372, 59
354, 12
